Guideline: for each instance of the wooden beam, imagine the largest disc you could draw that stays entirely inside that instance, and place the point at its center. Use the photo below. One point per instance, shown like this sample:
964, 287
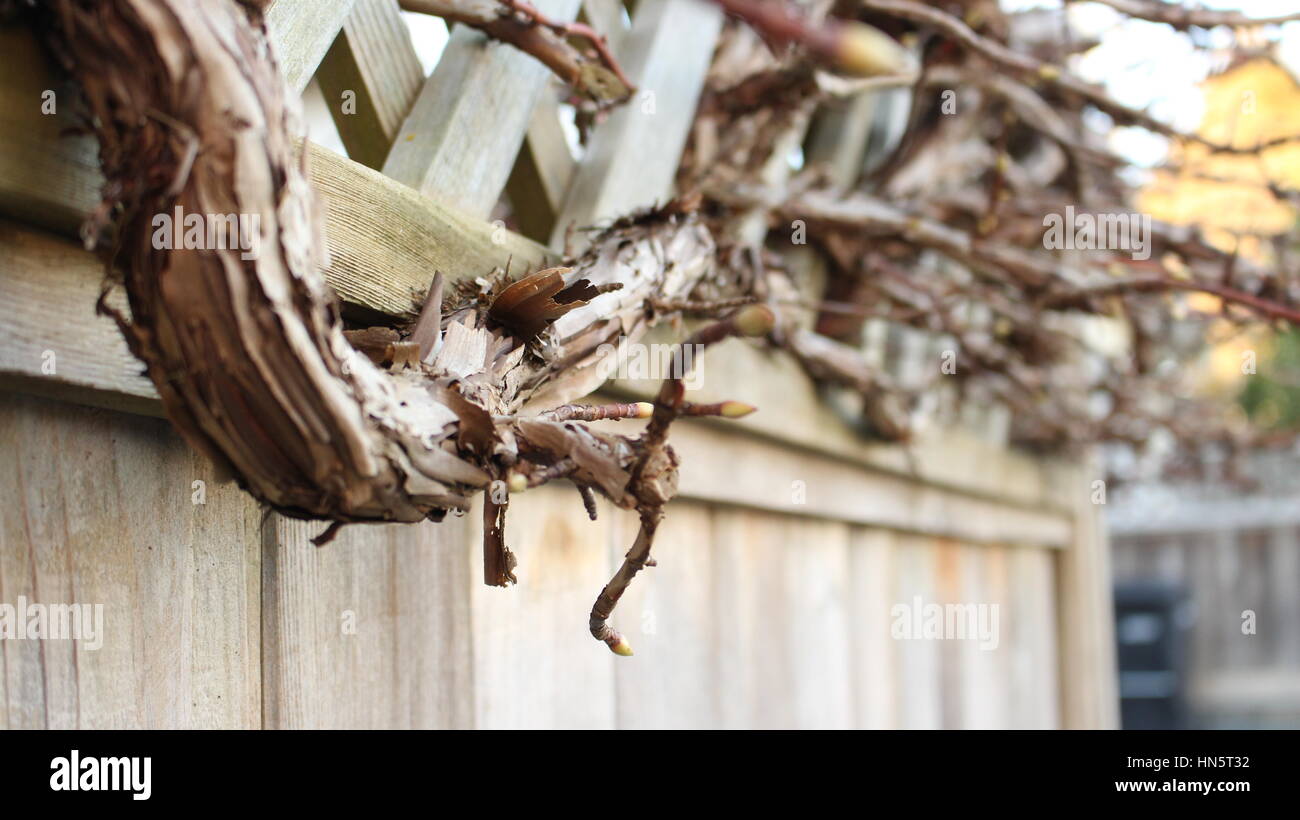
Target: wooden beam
46, 178
1085, 608
461, 138
633, 156
302, 36
51, 341
733, 467
385, 240
374, 59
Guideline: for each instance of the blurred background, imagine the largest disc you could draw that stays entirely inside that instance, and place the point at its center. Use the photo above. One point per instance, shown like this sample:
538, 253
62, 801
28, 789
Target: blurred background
1207, 563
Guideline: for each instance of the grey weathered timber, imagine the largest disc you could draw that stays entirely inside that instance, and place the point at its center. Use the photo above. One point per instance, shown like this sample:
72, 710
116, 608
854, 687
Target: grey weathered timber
634, 154
460, 139
370, 78
302, 39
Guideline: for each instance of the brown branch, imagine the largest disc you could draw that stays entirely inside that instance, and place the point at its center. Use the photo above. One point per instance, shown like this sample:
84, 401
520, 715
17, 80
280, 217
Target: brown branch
845, 45
1183, 17
1051, 75
581, 31
498, 561
600, 412
696, 307
654, 475
521, 25
1265, 308
637, 558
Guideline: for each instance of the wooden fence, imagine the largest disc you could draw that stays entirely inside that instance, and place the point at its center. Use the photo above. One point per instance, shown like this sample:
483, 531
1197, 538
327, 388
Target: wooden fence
779, 565
1234, 553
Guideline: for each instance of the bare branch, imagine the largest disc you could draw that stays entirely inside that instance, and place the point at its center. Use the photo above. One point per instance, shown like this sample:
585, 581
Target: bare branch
1183, 17
520, 24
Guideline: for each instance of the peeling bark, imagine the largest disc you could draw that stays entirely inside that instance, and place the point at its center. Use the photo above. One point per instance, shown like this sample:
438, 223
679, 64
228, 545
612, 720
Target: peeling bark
249, 355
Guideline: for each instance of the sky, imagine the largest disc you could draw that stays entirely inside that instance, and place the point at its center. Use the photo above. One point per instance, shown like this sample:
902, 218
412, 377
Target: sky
1149, 64
429, 35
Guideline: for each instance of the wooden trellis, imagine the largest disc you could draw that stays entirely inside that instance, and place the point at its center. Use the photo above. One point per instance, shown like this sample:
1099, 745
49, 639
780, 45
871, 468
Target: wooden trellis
778, 566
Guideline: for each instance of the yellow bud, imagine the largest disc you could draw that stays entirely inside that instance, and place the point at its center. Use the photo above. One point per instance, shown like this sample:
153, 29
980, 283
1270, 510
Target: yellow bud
1049, 72
644, 410
622, 647
866, 51
736, 409
517, 483
755, 320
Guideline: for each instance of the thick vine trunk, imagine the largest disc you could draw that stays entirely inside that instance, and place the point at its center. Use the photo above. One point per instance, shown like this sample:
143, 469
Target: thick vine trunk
246, 347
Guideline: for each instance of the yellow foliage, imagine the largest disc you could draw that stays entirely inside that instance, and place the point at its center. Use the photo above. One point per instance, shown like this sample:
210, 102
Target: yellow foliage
1227, 195
1224, 193
1223, 373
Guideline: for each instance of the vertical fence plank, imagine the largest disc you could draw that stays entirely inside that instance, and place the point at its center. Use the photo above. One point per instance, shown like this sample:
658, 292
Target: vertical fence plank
872, 647
985, 677
1030, 624
102, 512
535, 663
670, 616
781, 583
1284, 580
371, 630
1089, 682
919, 663
818, 622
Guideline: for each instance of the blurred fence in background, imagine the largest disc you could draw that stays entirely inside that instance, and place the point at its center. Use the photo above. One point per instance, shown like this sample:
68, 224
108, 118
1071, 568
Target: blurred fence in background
1227, 556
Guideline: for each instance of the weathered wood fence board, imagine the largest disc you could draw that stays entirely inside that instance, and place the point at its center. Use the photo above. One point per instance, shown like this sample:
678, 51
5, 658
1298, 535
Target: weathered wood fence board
1232, 554
751, 618
1085, 612
532, 667
373, 634
100, 510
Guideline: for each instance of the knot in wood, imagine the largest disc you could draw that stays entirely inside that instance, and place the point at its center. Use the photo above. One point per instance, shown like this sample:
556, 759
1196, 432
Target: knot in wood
656, 482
